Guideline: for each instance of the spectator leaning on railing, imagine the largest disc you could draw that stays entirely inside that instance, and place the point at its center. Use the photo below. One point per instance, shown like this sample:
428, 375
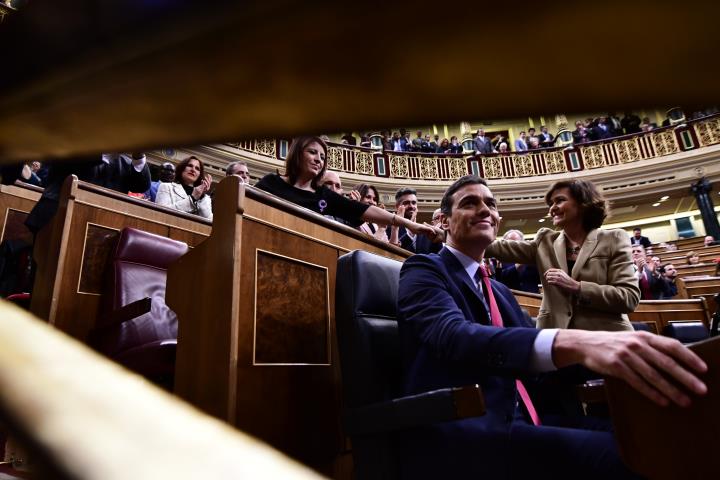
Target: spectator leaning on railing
305, 166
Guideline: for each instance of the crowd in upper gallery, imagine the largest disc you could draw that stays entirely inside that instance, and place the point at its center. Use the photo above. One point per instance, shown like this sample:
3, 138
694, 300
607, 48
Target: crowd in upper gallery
588, 130
307, 182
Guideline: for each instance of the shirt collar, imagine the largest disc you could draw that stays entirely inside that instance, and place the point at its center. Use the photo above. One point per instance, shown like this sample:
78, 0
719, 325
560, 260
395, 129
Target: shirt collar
469, 264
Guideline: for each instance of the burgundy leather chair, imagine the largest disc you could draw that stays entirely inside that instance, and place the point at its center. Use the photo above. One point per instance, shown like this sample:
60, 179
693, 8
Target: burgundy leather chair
137, 329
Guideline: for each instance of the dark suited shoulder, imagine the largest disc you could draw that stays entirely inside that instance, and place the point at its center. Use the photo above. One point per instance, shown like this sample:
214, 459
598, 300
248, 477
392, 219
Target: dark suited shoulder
440, 313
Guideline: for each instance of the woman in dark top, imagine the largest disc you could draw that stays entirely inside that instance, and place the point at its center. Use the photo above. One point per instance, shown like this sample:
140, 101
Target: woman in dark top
304, 167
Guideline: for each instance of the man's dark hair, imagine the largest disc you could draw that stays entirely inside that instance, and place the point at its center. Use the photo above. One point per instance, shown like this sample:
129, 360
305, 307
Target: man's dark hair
404, 191
592, 204
447, 200
637, 229
167, 172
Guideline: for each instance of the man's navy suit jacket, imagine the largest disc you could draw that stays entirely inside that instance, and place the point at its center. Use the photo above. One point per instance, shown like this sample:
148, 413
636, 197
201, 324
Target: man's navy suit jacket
447, 341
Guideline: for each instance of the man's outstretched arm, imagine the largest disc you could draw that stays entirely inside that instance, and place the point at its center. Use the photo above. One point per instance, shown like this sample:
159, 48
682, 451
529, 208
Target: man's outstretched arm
640, 358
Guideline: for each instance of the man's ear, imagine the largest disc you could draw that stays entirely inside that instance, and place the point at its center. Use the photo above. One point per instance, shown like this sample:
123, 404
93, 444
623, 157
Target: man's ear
444, 222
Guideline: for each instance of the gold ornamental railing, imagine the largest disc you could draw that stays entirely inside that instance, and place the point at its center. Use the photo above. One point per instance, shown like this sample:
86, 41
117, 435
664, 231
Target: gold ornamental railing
547, 161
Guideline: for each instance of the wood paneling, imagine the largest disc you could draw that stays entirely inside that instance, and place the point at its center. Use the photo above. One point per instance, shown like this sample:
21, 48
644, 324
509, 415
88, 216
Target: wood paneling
15, 203
294, 407
292, 314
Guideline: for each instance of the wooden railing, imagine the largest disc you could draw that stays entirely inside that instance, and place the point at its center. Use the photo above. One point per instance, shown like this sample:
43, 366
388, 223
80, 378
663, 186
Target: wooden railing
546, 161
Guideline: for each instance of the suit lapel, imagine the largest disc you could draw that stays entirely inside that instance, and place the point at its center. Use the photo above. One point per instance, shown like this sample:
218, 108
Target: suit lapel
586, 250
460, 277
560, 252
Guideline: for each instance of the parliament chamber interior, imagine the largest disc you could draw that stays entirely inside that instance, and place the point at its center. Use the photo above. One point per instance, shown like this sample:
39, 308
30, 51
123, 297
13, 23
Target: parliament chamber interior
343, 242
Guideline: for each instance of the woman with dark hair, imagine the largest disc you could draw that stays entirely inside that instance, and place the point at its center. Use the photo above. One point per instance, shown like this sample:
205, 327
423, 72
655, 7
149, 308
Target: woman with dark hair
370, 196
189, 192
587, 273
304, 167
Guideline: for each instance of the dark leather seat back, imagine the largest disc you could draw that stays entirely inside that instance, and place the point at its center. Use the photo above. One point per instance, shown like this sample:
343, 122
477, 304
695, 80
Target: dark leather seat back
139, 330
686, 332
140, 266
366, 292
366, 308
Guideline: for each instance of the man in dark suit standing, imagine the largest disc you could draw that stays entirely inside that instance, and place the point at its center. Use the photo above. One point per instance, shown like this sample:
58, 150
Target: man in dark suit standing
121, 172
482, 143
458, 327
406, 202
546, 138
638, 239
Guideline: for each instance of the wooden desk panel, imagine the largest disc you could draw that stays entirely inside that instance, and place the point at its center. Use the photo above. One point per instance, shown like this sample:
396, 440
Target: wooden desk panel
287, 393
74, 250
16, 201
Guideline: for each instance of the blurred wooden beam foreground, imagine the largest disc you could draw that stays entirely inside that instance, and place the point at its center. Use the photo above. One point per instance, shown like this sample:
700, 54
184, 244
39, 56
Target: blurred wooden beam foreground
87, 418
90, 76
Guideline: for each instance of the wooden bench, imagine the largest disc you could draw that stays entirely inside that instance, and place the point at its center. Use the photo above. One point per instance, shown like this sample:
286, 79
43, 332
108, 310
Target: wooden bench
704, 252
655, 313
72, 251
685, 243
256, 309
705, 287
696, 270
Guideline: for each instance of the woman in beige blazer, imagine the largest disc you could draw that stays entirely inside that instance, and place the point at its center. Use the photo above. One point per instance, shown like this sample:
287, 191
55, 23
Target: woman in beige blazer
587, 273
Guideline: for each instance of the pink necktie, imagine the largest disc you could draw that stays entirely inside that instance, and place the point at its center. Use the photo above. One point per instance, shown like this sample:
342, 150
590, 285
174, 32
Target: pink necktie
496, 320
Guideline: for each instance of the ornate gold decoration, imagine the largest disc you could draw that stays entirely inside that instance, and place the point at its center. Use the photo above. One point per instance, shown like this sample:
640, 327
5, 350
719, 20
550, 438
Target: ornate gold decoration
665, 143
593, 156
555, 162
708, 132
398, 165
492, 167
523, 165
335, 159
364, 163
429, 168
457, 167
265, 146
628, 150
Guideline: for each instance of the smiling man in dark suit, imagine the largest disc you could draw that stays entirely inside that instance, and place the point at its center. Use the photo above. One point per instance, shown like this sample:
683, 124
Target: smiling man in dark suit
457, 329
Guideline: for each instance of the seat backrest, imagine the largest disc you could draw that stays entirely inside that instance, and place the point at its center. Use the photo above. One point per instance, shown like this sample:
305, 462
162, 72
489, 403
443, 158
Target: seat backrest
365, 311
686, 332
140, 266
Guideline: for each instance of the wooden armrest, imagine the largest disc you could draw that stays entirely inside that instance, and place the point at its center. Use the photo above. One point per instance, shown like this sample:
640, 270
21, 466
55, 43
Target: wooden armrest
128, 312
592, 391
416, 410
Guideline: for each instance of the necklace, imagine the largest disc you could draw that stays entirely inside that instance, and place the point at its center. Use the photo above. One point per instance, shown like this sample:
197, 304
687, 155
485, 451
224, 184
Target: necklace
573, 251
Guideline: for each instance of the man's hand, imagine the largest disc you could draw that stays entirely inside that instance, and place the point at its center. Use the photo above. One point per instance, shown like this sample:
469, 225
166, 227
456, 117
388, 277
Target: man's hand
641, 359
354, 195
558, 277
435, 234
